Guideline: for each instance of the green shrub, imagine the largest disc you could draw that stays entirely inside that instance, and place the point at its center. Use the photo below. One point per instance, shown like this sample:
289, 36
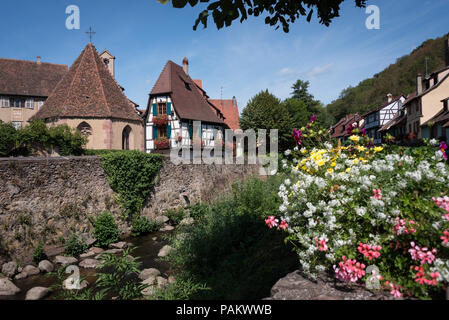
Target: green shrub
121, 277
142, 225
8, 139
230, 250
38, 136
106, 229
175, 215
39, 253
131, 174
75, 246
198, 210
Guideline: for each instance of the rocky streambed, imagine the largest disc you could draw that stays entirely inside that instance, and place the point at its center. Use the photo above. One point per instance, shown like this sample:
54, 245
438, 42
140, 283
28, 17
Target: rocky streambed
31, 283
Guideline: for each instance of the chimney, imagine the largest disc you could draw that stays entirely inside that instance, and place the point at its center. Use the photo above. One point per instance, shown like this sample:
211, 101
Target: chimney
185, 65
234, 101
389, 97
38, 60
419, 84
447, 52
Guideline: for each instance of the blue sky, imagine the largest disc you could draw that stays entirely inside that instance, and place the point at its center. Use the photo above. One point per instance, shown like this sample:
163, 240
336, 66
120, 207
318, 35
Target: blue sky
243, 59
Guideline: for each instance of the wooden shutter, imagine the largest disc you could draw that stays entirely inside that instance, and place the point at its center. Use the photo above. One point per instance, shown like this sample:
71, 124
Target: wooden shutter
154, 109
169, 108
154, 132
169, 131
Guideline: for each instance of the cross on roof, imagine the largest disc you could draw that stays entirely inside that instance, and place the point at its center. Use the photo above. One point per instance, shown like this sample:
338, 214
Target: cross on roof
90, 33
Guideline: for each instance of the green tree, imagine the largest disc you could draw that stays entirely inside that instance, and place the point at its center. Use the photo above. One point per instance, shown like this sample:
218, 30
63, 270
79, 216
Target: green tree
265, 111
278, 12
312, 106
298, 113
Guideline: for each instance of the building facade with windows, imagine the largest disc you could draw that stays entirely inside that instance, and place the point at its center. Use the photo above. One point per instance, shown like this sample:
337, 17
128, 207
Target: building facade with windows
175, 102
376, 119
24, 87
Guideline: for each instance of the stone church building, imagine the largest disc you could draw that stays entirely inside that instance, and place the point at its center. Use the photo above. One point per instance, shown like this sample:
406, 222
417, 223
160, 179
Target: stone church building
89, 99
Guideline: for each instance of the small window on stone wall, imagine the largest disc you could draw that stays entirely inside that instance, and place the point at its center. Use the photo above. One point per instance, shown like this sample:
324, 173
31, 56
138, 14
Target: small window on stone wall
85, 129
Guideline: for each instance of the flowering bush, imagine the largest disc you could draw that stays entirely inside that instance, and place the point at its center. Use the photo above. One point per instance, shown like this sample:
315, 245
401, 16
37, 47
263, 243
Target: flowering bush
162, 143
352, 205
160, 120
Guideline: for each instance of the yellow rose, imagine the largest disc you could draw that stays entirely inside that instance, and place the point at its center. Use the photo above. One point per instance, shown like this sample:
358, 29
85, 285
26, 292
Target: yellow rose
348, 170
330, 170
333, 164
354, 138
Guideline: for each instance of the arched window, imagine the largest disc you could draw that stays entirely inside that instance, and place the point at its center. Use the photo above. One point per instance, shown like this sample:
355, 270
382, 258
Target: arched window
126, 138
85, 128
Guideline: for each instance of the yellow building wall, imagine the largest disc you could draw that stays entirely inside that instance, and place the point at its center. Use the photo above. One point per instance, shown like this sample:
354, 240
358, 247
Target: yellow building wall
18, 114
107, 133
431, 102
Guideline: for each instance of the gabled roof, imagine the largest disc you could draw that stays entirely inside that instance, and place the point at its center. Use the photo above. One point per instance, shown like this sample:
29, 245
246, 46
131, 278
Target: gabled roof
88, 90
394, 100
397, 119
189, 100
28, 78
415, 95
230, 112
348, 119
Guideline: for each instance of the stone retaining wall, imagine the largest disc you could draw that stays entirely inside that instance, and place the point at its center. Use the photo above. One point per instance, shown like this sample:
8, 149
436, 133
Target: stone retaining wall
48, 199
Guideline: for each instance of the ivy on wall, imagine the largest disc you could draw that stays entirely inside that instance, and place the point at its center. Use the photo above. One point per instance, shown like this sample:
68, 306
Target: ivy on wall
132, 175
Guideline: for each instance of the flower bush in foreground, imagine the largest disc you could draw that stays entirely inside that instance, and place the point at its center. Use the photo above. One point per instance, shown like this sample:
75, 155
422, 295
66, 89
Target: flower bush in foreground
353, 205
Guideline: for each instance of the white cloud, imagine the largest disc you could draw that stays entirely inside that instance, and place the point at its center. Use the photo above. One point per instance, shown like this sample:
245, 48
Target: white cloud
319, 70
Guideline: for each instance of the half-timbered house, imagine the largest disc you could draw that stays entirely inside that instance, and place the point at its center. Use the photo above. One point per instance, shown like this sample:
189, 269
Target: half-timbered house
175, 102
379, 117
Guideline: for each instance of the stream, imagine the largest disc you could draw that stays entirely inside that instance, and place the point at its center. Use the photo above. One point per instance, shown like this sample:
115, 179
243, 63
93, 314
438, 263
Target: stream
146, 249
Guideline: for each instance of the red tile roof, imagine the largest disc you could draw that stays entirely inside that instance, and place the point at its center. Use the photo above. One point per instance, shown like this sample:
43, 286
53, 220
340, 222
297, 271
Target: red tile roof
88, 90
340, 126
189, 100
28, 78
230, 112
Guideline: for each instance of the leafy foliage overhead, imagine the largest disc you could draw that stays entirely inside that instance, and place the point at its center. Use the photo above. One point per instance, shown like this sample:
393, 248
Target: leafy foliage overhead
278, 12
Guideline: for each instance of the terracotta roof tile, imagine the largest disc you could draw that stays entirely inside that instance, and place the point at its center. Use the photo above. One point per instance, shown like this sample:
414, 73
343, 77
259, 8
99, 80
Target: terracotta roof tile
189, 100
230, 112
88, 90
28, 78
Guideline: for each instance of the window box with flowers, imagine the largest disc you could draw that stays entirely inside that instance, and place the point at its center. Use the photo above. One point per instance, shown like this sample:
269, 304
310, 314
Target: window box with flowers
162, 143
160, 120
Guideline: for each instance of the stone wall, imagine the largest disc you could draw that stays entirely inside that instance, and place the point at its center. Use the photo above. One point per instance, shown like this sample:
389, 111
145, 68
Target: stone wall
49, 199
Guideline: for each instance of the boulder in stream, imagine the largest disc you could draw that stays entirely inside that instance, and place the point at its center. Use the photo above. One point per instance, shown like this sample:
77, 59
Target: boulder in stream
9, 269
37, 293
65, 260
119, 245
31, 270
164, 251
46, 266
151, 272
7, 288
89, 263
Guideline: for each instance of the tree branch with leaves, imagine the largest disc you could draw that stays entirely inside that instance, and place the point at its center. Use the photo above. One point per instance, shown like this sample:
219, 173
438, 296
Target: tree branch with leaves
278, 12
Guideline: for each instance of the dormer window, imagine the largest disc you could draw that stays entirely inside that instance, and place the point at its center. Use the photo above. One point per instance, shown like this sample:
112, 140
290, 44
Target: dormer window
106, 62
188, 86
